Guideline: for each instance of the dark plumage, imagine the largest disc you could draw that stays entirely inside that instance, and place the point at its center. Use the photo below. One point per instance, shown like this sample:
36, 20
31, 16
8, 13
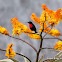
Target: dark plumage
32, 26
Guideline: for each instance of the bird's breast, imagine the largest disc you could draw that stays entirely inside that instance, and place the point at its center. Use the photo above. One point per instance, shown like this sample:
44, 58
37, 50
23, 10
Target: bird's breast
30, 25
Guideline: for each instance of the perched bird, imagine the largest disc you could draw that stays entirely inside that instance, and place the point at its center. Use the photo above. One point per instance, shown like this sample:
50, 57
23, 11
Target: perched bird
32, 26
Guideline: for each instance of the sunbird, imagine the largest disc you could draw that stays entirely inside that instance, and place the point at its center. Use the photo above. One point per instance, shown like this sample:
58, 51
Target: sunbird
32, 26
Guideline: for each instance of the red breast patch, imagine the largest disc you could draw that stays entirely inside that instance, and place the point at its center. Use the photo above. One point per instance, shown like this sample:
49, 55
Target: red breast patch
30, 25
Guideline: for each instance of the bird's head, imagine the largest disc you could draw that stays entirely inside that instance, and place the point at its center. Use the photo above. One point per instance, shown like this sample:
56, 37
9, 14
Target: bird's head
30, 22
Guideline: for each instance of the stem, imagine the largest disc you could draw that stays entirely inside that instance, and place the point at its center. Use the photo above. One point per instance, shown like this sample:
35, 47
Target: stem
18, 54
39, 51
37, 58
47, 32
50, 60
53, 38
23, 56
47, 48
48, 26
24, 42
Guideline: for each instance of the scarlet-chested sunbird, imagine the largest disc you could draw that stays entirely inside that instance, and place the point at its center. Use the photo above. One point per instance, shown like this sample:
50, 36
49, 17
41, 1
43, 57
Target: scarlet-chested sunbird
32, 26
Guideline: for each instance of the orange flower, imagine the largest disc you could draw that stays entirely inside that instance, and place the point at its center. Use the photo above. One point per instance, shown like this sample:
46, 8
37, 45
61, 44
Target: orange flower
34, 36
53, 21
54, 16
9, 51
54, 32
58, 45
44, 17
45, 26
44, 7
35, 18
58, 15
3, 31
18, 27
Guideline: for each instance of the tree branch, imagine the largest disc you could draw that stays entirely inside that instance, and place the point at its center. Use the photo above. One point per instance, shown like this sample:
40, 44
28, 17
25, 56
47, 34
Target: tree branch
53, 38
24, 42
47, 48
47, 32
37, 58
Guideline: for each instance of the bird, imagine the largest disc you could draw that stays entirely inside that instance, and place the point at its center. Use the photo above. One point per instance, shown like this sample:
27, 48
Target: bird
32, 26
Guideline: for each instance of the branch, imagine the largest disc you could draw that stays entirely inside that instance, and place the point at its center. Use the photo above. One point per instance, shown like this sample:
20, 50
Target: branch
47, 48
18, 54
50, 60
53, 38
48, 26
24, 42
47, 32
37, 58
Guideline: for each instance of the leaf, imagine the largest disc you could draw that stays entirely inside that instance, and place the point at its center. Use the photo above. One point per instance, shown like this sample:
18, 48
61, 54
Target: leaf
14, 60
6, 60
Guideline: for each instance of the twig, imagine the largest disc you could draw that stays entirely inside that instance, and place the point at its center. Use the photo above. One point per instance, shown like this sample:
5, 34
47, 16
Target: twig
18, 54
47, 27
53, 38
47, 48
47, 32
24, 42
23, 56
50, 60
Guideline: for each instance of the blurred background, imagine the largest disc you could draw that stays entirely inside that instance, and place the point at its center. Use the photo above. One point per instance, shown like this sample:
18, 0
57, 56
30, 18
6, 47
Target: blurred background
22, 9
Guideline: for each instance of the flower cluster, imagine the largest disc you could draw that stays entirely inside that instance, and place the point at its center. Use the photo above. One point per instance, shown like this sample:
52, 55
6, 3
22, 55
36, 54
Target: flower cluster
45, 26
21, 28
18, 27
3, 31
58, 45
35, 18
48, 17
54, 32
9, 51
53, 16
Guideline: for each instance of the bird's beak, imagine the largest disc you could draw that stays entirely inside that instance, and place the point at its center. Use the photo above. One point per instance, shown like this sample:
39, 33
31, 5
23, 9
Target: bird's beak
27, 22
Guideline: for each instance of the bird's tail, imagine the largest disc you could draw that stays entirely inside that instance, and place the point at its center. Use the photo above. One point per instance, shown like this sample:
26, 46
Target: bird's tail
35, 31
